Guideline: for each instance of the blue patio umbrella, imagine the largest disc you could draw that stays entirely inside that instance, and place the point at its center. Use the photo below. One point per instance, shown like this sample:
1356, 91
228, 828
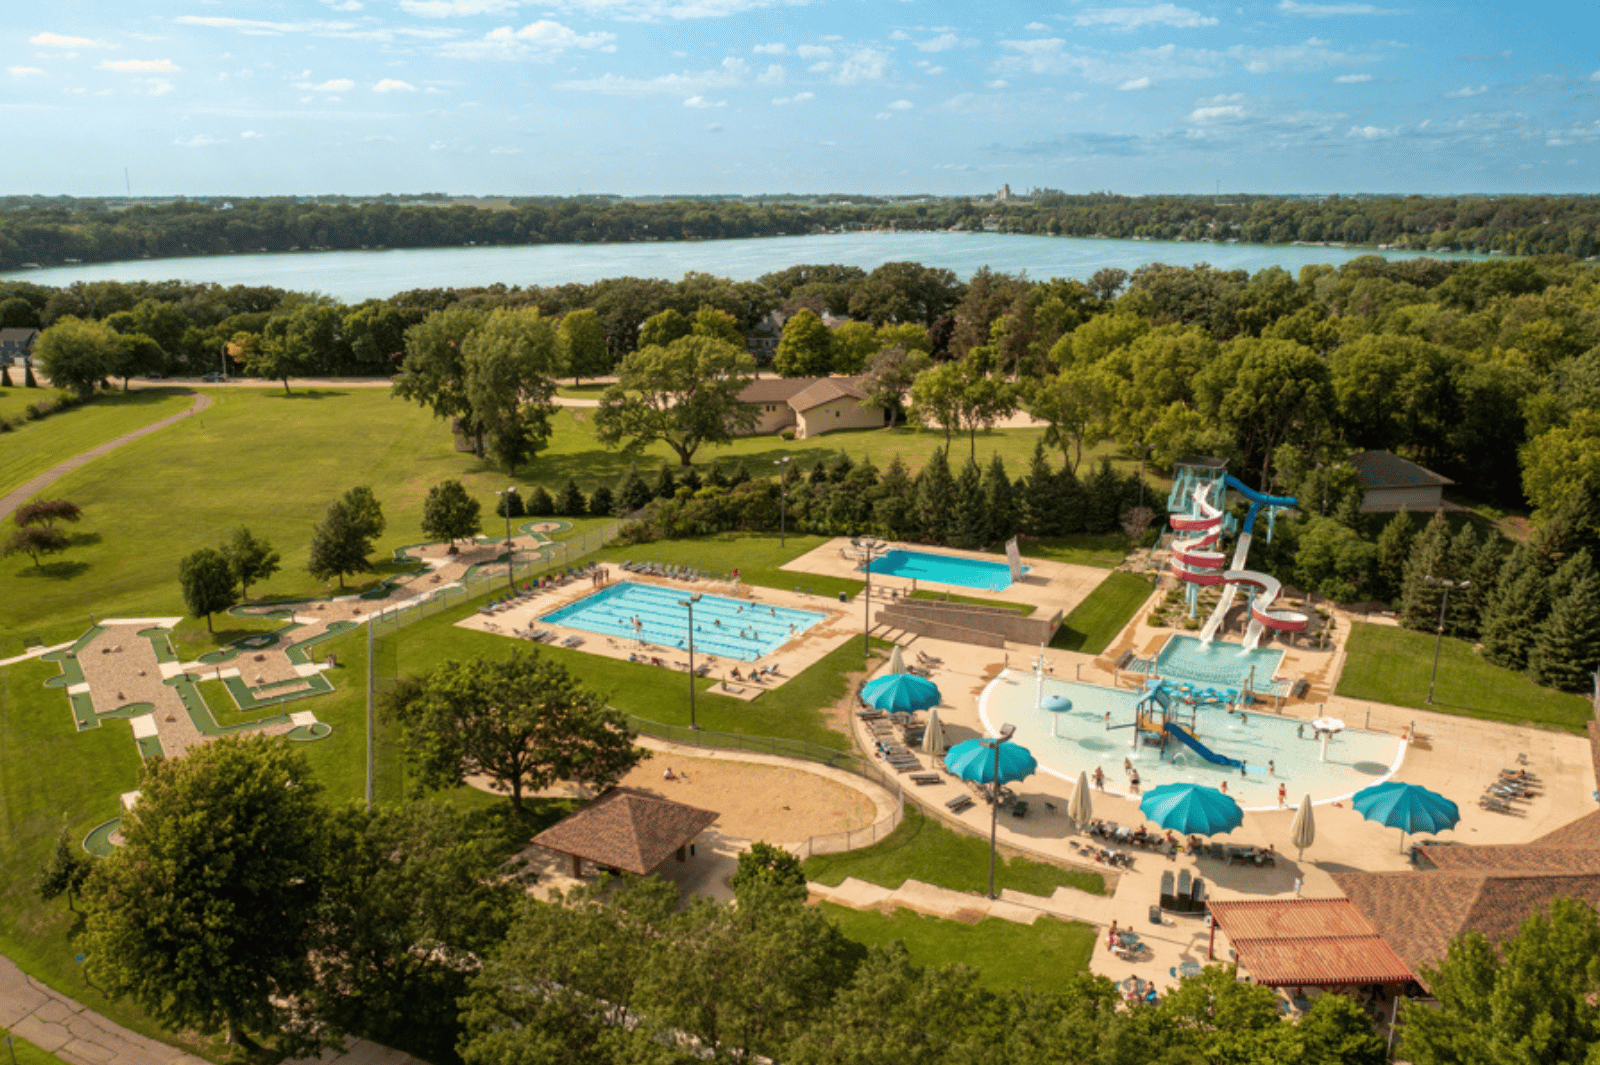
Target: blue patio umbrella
901, 693
1056, 704
1191, 808
1408, 807
975, 760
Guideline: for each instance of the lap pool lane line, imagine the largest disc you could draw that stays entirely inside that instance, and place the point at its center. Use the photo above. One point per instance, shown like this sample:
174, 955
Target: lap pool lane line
12, 500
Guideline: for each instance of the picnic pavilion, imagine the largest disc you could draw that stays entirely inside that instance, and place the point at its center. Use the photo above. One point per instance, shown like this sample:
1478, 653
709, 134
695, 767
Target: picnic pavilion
1299, 943
628, 830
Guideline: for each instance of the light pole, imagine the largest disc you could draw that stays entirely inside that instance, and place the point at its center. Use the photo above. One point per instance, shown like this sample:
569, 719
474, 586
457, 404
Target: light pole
511, 558
689, 605
1040, 664
783, 498
994, 799
1439, 638
870, 549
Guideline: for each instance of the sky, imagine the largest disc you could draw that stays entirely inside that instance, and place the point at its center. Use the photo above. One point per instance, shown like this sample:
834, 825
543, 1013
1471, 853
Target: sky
641, 97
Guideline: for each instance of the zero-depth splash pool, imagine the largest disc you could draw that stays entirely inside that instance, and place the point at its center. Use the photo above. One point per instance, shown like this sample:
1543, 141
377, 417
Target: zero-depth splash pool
1223, 665
945, 569
732, 628
1083, 742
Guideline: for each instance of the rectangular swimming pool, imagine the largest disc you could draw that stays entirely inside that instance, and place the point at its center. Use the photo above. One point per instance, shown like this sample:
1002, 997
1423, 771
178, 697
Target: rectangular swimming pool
1184, 658
730, 628
945, 569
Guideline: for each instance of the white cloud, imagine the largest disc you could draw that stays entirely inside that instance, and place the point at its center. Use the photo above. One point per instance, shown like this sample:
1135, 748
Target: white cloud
1312, 54
138, 66
500, 150
797, 98
996, 83
660, 10
1036, 27
345, 30
1050, 55
158, 87
1595, 76
394, 85
1133, 18
542, 40
1215, 111
24, 72
813, 51
331, 85
732, 74
456, 8
60, 40
250, 135
942, 43
346, 5
1371, 133
901, 105
1465, 92
437, 146
883, 116
930, 71
1352, 79
864, 64
199, 140
1133, 84
701, 103
1293, 7
771, 49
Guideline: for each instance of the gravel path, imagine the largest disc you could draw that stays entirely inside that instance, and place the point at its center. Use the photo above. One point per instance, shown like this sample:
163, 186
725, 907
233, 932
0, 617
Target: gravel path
15, 499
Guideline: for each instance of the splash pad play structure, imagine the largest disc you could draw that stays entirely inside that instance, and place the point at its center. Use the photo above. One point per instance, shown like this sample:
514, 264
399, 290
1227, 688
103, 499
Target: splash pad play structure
1199, 518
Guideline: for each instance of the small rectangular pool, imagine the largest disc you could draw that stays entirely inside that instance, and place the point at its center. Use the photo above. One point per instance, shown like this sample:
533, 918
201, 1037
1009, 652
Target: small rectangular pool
1184, 658
945, 569
731, 628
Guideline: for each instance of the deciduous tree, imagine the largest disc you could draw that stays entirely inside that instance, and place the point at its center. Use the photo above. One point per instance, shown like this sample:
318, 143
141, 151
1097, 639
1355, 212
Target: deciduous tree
449, 513
685, 394
252, 560
77, 354
208, 583
34, 541
341, 544
47, 512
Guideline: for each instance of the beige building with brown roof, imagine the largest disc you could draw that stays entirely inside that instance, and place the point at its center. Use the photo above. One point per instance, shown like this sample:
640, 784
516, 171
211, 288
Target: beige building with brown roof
810, 406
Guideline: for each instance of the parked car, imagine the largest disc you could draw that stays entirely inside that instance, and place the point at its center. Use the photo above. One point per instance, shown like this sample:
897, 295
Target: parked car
214, 378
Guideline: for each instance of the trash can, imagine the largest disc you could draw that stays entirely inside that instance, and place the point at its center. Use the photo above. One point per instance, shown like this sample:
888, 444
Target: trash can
843, 598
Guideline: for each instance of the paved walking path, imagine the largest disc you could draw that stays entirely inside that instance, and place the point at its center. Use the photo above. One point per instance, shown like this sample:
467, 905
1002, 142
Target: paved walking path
15, 499
80, 1036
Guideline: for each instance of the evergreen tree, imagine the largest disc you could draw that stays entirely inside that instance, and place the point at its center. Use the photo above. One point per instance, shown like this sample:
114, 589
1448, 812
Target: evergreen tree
819, 473
632, 492
690, 479
1579, 515
1394, 548
841, 467
1520, 607
1037, 512
1576, 568
997, 496
1566, 650
1348, 512
740, 474
1102, 499
1484, 573
28, 380
894, 513
970, 528
1460, 618
572, 502
666, 483
936, 497
1429, 557
511, 499
601, 502
715, 478
540, 505
5, 374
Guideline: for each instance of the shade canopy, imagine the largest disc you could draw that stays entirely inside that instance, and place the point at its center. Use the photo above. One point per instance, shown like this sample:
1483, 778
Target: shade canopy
1191, 808
975, 760
1328, 724
1079, 807
901, 693
1408, 807
1056, 704
1304, 830
933, 735
897, 664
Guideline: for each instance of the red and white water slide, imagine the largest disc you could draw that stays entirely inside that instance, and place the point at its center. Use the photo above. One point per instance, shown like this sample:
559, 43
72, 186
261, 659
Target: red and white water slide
1195, 560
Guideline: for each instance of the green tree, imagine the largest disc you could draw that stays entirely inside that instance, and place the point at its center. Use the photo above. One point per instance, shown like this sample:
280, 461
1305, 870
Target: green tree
524, 722
1337, 1031
249, 560
768, 867
894, 512
134, 355
18, 313
1394, 548
207, 582
77, 354
854, 345
717, 325
35, 541
509, 363
376, 334
1264, 393
935, 500
999, 501
602, 504
585, 341
1429, 557
1566, 651
204, 916
65, 872
685, 394
662, 329
449, 513
1333, 560
969, 527
571, 502
303, 340
936, 399
342, 543
1530, 1000
1075, 404
806, 347
1519, 609
47, 512
434, 372
632, 492
1556, 462
890, 374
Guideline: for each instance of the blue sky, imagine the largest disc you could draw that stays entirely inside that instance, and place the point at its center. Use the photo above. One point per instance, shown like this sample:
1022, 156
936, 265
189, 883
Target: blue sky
253, 97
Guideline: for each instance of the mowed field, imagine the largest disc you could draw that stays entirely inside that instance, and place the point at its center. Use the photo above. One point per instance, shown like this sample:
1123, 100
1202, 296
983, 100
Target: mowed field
273, 462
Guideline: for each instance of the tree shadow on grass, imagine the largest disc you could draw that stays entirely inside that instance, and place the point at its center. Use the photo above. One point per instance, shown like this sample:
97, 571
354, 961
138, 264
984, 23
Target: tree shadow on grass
83, 539
308, 393
55, 571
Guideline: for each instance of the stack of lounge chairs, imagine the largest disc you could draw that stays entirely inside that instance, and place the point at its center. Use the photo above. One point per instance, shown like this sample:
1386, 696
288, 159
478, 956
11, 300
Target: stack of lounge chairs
1185, 897
663, 569
1510, 786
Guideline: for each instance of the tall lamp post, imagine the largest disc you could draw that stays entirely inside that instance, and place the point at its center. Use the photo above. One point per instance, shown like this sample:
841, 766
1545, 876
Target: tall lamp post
1438, 639
783, 498
689, 605
511, 558
870, 549
994, 798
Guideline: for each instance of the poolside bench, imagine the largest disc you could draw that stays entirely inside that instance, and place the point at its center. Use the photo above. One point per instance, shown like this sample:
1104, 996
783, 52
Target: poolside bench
927, 778
959, 803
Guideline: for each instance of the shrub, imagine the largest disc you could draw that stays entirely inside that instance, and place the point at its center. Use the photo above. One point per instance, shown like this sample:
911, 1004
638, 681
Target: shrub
787, 434
540, 505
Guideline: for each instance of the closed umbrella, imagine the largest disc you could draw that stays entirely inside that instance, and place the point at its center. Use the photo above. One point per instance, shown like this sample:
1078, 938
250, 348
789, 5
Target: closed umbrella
1408, 807
1056, 705
1304, 830
896, 663
901, 693
1191, 808
1079, 808
933, 735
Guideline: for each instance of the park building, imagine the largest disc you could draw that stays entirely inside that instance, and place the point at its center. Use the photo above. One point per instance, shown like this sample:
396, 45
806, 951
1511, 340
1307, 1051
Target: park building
810, 406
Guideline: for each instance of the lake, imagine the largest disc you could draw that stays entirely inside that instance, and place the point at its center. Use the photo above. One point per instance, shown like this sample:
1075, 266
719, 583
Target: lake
352, 276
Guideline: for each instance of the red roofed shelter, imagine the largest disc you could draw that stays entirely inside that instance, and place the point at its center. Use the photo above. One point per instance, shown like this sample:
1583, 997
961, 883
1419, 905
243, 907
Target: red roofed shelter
627, 829
1306, 943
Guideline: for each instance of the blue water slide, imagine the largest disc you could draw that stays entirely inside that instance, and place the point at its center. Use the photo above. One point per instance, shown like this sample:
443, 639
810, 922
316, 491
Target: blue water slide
1257, 501
1187, 738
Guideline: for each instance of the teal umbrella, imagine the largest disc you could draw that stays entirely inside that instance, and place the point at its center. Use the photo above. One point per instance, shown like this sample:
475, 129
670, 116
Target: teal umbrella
1408, 807
975, 760
901, 693
1191, 808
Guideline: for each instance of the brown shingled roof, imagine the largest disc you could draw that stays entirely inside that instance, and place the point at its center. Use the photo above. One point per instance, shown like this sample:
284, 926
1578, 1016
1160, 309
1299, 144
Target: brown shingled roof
826, 390
1583, 833
627, 829
776, 389
1384, 469
1308, 942
1513, 858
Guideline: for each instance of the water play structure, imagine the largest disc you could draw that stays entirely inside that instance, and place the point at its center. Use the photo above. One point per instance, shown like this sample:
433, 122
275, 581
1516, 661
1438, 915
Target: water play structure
1197, 505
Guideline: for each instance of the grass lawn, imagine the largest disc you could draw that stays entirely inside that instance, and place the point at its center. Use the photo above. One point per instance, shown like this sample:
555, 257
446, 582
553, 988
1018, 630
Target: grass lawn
1392, 665
1095, 622
1007, 955
25, 1053
16, 399
923, 849
1103, 552
757, 556
34, 447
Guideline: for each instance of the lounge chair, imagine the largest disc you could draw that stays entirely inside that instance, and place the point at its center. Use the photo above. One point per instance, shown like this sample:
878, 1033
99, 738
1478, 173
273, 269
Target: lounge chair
1197, 896
1167, 896
1180, 898
1216, 853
